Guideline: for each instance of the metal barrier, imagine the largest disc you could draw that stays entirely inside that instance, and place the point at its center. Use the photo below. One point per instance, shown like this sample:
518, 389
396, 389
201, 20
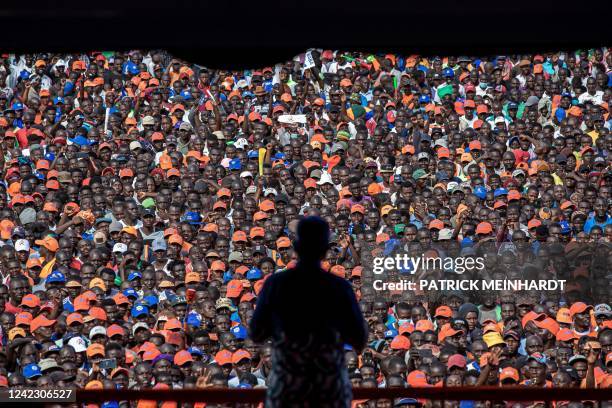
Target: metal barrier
226, 395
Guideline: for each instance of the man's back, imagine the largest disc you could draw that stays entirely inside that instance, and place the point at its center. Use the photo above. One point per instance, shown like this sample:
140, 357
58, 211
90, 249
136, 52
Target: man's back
310, 314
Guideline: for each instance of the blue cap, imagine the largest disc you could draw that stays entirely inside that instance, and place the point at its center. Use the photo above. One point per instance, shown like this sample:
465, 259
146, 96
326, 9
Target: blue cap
348, 347
56, 276
512, 105
50, 157
512, 139
150, 300
31, 370
254, 274
134, 275
130, 292
245, 386
186, 95
194, 320
499, 192
235, 164
279, 156
140, 310
565, 227
424, 99
195, 351
58, 99
17, 106
239, 332
566, 94
391, 333
448, 73
560, 114
466, 242
159, 245
253, 154
193, 218
480, 192
131, 68
81, 140
110, 404
248, 94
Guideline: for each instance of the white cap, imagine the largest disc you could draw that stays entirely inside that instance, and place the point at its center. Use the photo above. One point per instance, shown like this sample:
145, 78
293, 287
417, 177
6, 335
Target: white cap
96, 331
423, 155
451, 186
269, 191
500, 119
325, 179
120, 247
241, 143
441, 143
22, 245
246, 174
135, 145
139, 325
445, 234
148, 120
251, 190
78, 344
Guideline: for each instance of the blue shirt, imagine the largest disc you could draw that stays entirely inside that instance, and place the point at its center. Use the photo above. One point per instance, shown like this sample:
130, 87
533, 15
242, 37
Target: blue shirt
591, 222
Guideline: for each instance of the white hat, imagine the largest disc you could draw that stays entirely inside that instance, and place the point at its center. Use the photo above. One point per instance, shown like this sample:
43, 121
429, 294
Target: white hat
251, 190
96, 331
22, 245
423, 155
269, 191
241, 143
139, 325
148, 120
445, 234
78, 344
325, 179
500, 119
452, 186
120, 247
185, 126
441, 143
246, 174
135, 145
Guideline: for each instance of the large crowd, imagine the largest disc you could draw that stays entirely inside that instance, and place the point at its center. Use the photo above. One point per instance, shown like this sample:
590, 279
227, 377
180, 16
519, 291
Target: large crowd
145, 200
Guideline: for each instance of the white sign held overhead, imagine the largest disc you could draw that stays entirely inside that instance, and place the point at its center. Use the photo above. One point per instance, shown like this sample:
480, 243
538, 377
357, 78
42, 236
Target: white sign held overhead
308, 61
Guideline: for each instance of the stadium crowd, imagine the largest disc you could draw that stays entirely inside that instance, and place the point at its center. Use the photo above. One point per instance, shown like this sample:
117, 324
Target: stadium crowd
146, 199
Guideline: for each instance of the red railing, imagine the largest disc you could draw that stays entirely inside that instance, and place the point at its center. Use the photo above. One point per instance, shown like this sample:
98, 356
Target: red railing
225, 395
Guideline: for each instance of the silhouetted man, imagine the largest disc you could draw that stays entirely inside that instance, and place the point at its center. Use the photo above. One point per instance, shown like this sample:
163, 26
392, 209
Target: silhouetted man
311, 315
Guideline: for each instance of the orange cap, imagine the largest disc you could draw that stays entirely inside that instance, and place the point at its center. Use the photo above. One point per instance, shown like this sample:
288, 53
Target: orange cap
443, 311
223, 357
579, 307
240, 355
484, 228
48, 242
182, 357
400, 342
257, 232
424, 325
239, 236
40, 321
